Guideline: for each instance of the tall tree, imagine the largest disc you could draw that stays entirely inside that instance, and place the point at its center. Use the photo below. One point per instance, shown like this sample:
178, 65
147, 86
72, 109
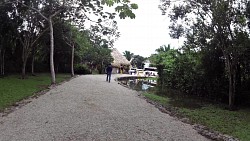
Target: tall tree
8, 30
69, 35
54, 8
138, 61
216, 20
29, 32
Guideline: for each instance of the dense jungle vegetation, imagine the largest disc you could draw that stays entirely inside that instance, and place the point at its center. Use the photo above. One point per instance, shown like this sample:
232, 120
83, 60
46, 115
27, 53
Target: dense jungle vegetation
58, 35
214, 61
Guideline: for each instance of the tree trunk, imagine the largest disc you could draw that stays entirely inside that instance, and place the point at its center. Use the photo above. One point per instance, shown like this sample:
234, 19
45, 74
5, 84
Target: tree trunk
24, 68
52, 70
1, 62
2, 54
57, 67
232, 81
24, 60
238, 79
160, 74
72, 60
32, 64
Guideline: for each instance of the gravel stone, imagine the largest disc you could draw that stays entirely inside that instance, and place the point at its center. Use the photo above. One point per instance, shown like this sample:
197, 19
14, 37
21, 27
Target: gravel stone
88, 108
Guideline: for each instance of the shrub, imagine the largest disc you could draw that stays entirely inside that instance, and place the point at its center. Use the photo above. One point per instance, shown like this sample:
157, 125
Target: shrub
82, 69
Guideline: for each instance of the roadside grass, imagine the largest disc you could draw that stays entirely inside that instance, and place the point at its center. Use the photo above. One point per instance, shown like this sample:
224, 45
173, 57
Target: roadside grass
14, 89
215, 117
156, 98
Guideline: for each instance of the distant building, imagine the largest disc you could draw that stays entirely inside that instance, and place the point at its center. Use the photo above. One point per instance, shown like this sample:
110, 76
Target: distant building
147, 63
120, 63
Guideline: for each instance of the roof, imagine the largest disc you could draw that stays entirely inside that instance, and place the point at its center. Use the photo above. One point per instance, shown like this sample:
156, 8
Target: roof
119, 59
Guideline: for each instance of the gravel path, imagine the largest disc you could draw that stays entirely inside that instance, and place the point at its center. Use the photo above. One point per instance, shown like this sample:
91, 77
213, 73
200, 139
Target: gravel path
88, 108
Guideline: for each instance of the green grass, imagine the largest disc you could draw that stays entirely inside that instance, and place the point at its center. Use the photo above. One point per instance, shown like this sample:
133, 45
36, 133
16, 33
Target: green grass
234, 123
156, 98
14, 89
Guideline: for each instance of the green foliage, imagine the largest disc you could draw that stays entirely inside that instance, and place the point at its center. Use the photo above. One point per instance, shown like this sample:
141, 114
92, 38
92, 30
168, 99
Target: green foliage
134, 6
82, 69
137, 61
128, 55
108, 2
195, 73
14, 89
124, 8
98, 57
212, 59
91, 45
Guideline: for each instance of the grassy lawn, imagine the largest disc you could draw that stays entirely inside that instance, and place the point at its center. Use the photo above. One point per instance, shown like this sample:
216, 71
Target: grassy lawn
13, 89
234, 123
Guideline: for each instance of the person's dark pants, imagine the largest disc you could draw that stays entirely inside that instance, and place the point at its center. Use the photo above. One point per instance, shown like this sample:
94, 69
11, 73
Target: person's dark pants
108, 77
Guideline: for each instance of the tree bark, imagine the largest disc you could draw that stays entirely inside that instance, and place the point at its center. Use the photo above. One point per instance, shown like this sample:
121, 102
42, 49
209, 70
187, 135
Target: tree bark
2, 62
230, 64
3, 59
160, 73
24, 68
32, 64
52, 69
72, 61
24, 58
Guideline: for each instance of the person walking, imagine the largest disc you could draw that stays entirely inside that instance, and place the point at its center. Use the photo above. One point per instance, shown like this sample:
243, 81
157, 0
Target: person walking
109, 72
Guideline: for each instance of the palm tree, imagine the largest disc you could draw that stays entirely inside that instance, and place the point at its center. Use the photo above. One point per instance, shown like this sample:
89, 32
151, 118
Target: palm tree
128, 55
163, 48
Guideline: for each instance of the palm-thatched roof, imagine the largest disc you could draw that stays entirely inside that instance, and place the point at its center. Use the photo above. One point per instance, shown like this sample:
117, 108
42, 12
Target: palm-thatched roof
119, 59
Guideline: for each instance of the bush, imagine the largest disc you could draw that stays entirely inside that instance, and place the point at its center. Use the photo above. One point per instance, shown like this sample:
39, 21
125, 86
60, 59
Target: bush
82, 69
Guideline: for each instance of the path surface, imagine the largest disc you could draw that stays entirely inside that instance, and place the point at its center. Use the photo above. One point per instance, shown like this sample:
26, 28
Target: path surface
88, 108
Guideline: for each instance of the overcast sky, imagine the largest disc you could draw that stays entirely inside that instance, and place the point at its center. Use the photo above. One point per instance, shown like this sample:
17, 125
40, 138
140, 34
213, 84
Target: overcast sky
147, 32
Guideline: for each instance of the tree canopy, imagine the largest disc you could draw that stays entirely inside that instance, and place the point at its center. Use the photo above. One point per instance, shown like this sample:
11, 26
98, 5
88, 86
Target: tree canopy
28, 23
128, 55
216, 47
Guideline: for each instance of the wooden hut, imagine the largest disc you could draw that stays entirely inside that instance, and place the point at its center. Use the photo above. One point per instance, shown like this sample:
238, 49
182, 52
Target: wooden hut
120, 63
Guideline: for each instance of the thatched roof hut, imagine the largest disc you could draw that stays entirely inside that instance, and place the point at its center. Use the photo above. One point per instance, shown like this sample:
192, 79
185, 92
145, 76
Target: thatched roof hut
119, 59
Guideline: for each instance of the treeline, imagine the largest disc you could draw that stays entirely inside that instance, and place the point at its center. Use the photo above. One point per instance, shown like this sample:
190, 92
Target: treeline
214, 61
200, 73
57, 36
87, 50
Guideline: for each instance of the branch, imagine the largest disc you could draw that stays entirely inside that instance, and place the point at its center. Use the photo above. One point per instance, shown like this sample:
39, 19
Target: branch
34, 10
39, 36
57, 12
87, 16
68, 41
51, 16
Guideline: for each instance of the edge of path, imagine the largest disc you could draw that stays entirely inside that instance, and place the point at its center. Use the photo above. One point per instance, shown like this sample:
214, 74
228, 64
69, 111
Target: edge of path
202, 130
29, 99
